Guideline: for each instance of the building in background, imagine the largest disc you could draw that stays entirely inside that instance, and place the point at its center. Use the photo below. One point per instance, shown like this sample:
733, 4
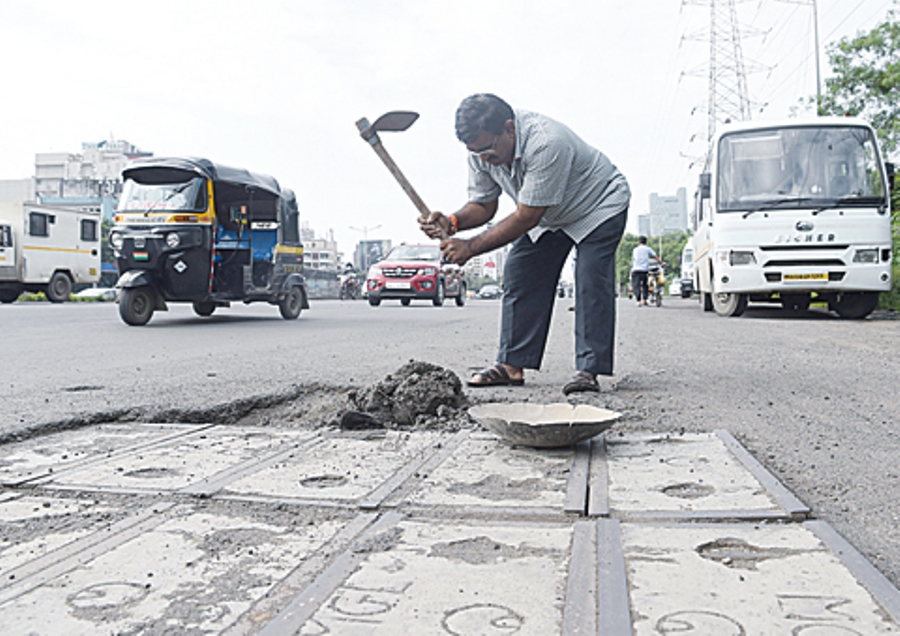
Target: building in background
369, 252
322, 263
488, 265
90, 180
668, 214
644, 225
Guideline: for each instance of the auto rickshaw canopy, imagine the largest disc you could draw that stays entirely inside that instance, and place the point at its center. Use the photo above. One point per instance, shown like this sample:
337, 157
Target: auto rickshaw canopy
160, 169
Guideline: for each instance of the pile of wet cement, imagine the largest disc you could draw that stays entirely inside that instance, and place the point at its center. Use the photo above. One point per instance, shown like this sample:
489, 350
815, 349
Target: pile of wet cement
418, 395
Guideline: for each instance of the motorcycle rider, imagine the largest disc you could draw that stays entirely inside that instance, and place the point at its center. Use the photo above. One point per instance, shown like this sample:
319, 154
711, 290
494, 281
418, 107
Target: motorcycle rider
349, 282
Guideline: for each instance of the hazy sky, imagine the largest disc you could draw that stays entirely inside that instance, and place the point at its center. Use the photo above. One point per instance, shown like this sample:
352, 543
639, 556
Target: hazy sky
276, 86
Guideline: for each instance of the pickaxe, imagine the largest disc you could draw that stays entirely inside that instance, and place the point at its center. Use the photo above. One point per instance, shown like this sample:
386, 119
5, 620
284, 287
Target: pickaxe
394, 121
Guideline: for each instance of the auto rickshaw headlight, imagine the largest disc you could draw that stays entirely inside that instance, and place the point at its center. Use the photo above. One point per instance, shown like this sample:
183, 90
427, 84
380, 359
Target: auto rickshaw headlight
115, 240
173, 240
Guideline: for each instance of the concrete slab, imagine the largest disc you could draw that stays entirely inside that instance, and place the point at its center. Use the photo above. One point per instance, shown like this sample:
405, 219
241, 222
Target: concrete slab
729, 579
33, 526
178, 463
246, 530
687, 476
417, 577
485, 472
38, 457
196, 570
342, 468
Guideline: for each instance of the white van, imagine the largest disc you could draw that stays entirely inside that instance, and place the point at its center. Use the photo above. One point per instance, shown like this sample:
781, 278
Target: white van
794, 212
47, 249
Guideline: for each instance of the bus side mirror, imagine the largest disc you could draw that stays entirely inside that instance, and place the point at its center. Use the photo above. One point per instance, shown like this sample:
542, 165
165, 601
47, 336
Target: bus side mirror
889, 168
705, 180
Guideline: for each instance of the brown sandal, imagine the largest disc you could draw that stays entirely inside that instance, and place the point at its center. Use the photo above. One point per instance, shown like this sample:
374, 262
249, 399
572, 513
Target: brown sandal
494, 376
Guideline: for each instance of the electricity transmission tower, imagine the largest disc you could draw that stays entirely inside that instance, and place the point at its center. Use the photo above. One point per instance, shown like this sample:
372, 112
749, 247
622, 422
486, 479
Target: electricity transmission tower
728, 98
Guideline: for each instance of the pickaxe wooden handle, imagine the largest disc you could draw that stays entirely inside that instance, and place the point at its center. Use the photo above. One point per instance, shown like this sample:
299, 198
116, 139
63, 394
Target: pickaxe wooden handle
395, 121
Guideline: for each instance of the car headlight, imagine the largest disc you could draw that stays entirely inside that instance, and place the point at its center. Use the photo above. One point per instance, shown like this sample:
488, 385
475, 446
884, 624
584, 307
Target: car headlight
173, 240
429, 271
742, 258
116, 240
866, 256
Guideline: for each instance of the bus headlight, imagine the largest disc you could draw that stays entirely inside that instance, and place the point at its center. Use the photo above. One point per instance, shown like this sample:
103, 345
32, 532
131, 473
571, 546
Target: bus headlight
116, 240
173, 240
742, 258
866, 256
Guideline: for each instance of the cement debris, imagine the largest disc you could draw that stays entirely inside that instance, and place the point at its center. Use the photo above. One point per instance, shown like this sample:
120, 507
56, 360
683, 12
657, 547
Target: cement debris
418, 395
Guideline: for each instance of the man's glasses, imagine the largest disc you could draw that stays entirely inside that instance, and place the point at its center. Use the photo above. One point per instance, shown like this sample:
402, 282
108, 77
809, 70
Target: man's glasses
481, 151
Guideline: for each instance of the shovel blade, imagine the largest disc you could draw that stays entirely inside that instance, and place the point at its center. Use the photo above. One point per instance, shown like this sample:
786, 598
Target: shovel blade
395, 121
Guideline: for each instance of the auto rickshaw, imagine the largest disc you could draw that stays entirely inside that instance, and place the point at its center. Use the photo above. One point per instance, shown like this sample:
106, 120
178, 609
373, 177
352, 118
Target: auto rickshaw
190, 230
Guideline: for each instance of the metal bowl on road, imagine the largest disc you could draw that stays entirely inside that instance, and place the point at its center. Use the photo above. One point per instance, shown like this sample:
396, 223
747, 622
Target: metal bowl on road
543, 425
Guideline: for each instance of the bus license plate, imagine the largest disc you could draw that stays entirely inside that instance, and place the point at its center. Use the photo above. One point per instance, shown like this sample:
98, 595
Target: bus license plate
393, 285
802, 277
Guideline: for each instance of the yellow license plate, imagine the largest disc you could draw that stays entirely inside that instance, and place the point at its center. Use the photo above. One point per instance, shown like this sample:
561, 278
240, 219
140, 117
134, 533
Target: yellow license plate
805, 277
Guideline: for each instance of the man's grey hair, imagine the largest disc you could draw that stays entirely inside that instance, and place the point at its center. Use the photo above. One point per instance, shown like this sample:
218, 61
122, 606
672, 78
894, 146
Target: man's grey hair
482, 111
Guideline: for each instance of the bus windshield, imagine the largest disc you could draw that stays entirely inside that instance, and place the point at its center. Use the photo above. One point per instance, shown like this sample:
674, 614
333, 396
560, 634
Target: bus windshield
798, 167
145, 197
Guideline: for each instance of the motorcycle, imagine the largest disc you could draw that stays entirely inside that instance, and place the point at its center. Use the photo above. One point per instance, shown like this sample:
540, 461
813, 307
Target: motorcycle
656, 284
349, 287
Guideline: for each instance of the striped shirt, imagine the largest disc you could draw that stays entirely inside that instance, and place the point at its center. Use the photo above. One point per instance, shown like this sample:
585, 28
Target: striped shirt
553, 168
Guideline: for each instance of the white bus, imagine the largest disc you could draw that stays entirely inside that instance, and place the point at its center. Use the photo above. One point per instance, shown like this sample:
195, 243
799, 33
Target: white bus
47, 249
794, 212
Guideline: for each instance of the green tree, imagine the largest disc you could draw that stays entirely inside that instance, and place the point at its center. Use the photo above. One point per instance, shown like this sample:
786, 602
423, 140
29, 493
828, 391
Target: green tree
865, 80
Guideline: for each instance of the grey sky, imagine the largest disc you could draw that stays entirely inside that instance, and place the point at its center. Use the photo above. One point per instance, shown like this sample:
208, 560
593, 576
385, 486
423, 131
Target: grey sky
276, 87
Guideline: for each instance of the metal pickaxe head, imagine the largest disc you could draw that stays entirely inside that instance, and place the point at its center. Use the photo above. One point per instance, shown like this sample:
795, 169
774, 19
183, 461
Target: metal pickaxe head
394, 121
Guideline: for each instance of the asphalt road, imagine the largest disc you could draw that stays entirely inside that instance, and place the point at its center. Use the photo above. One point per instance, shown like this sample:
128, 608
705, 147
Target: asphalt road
813, 397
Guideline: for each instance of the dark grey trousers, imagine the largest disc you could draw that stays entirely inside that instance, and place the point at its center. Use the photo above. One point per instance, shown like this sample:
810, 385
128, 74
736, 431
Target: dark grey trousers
530, 279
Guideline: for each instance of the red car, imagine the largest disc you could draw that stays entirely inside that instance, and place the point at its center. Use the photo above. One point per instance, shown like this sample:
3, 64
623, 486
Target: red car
415, 272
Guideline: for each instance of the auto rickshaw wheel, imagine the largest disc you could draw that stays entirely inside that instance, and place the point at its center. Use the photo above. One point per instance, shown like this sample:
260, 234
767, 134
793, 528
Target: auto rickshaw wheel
136, 305
204, 309
291, 304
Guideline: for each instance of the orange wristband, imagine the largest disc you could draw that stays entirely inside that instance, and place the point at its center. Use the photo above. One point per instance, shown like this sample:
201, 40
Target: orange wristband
454, 224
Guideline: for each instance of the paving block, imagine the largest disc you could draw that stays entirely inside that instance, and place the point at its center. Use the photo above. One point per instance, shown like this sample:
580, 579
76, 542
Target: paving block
193, 569
685, 476
419, 577
38, 457
485, 472
340, 469
181, 462
729, 579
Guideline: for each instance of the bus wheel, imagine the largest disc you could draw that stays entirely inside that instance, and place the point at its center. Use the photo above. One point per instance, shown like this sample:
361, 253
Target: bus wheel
729, 304
136, 306
855, 305
292, 304
59, 287
204, 309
